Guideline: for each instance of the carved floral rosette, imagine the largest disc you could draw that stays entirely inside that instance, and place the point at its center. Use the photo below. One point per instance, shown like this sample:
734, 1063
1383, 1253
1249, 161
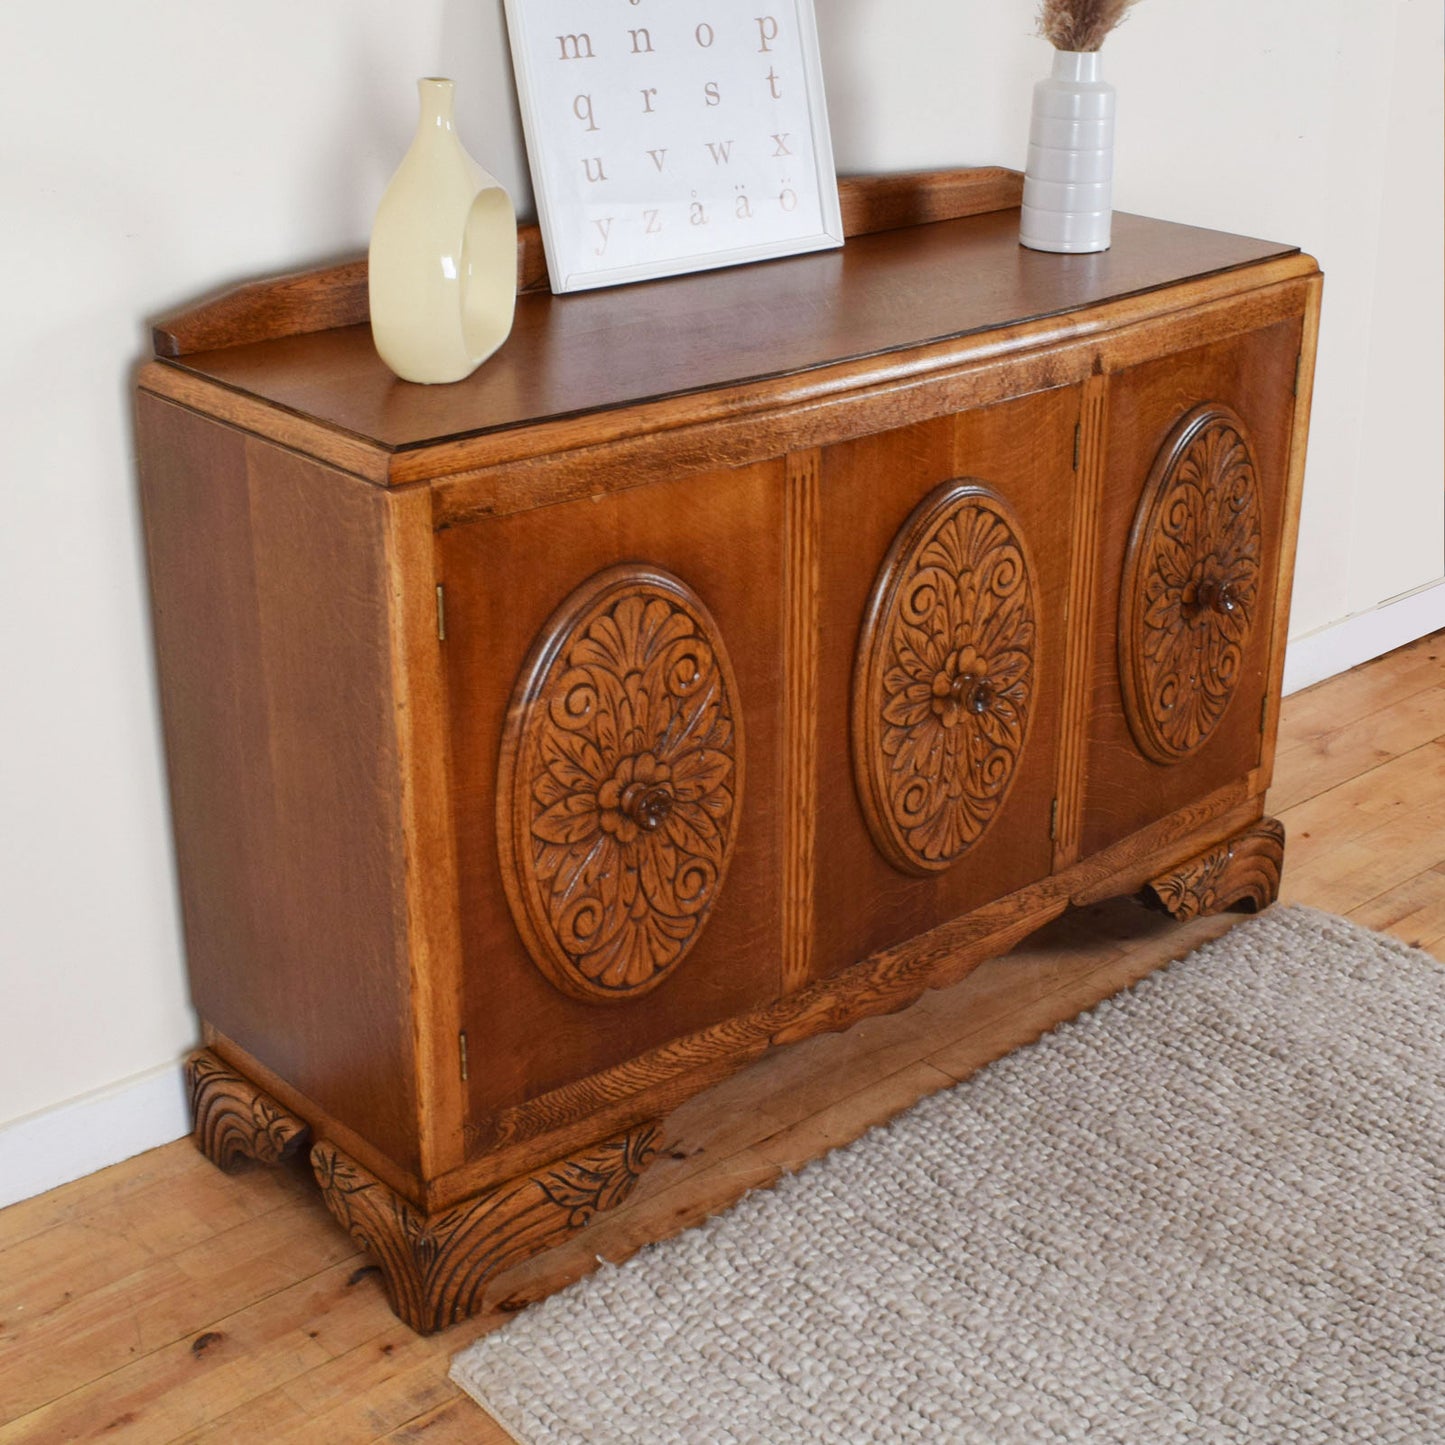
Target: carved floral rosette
621, 776
1191, 584
944, 681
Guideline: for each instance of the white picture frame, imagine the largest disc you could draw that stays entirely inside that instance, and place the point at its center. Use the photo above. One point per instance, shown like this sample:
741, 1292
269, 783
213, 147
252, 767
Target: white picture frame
671, 136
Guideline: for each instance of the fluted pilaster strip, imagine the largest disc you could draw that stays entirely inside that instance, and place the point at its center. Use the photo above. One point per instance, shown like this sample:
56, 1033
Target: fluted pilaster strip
1079, 640
800, 715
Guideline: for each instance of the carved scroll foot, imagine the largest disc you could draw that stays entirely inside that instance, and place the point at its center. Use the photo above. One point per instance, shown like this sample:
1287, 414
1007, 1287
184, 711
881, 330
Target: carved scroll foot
1242, 873
232, 1120
436, 1267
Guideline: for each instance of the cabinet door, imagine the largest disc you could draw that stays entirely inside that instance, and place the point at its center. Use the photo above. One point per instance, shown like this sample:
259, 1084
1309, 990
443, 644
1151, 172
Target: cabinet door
943, 564
1197, 454
614, 678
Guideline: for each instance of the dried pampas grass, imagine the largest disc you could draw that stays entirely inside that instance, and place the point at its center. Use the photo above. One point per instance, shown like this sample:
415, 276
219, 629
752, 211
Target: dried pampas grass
1080, 24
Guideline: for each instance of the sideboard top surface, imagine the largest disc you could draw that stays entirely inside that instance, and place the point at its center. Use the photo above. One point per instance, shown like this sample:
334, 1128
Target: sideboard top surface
600, 350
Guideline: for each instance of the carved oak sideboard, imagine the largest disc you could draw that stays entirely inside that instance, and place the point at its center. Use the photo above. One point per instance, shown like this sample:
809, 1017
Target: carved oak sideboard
729, 658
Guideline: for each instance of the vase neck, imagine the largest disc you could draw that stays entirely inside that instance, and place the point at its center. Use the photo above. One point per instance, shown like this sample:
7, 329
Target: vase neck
436, 104
1076, 65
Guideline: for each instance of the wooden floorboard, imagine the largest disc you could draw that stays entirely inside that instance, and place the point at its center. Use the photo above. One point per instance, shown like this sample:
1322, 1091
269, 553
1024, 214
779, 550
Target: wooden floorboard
161, 1301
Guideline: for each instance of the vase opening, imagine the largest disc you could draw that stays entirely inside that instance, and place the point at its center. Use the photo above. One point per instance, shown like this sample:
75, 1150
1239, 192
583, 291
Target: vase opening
1084, 67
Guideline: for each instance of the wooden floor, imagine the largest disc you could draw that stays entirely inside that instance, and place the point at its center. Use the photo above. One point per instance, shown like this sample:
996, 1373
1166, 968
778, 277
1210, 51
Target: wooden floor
160, 1301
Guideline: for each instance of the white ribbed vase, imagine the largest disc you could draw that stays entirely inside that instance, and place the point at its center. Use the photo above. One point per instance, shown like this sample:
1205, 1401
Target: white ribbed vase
1069, 179
442, 270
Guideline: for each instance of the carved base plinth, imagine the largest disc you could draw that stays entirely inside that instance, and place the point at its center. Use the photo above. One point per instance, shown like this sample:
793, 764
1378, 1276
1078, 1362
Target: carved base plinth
436, 1267
232, 1120
1242, 872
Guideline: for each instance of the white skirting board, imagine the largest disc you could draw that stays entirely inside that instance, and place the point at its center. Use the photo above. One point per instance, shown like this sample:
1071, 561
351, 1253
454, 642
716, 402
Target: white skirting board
76, 1138
51, 1148
1343, 645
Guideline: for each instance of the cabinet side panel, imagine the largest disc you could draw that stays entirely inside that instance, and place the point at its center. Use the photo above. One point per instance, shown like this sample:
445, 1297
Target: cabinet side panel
268, 577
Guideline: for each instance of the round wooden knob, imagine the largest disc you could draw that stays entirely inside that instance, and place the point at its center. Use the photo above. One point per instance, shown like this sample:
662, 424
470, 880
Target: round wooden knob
972, 693
648, 805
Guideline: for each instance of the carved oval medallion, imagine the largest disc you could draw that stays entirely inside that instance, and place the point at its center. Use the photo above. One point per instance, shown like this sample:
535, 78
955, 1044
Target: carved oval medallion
1191, 584
621, 774
943, 685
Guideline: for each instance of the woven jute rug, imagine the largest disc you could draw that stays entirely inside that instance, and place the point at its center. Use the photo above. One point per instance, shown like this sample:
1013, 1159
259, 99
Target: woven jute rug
1212, 1209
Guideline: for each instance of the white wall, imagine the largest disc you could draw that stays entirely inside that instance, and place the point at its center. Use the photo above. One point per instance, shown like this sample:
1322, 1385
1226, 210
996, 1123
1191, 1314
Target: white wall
154, 151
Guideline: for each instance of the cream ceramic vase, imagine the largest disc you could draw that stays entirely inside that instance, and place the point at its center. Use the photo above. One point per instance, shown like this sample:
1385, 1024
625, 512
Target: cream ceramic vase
1069, 179
442, 270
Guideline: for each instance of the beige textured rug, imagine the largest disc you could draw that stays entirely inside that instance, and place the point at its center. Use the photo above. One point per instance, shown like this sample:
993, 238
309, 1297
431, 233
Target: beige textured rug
1213, 1209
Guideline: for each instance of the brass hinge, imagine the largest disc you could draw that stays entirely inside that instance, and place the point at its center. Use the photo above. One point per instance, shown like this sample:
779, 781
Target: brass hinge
1264, 712
1078, 433
1054, 819
462, 1051
441, 613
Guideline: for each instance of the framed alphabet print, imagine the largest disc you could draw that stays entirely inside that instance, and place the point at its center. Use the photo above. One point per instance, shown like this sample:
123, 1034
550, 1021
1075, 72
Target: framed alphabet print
673, 135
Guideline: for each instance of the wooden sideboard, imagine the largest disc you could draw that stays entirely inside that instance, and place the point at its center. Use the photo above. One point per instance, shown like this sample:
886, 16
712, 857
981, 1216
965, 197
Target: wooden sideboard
729, 658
